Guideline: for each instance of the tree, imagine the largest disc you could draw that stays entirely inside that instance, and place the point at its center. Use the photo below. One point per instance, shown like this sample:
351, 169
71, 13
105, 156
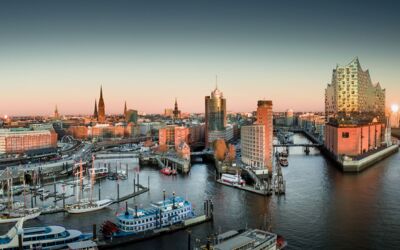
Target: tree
231, 153
220, 149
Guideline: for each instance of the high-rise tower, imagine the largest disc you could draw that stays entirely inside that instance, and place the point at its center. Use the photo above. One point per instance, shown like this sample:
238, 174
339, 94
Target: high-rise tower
102, 112
215, 116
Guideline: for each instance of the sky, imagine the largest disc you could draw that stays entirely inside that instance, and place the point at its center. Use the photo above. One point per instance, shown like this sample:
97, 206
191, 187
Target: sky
148, 53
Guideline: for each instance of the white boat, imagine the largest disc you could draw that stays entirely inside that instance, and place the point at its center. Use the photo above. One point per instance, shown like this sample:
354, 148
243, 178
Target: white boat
16, 210
233, 179
88, 206
14, 216
46, 238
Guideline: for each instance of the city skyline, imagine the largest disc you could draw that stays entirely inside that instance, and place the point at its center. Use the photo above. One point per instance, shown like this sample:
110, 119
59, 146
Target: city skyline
60, 53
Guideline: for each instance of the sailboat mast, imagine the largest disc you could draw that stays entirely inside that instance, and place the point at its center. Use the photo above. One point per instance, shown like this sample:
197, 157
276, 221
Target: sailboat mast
92, 180
81, 177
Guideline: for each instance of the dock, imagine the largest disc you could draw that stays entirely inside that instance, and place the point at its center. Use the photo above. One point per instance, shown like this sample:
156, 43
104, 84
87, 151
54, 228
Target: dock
112, 243
247, 188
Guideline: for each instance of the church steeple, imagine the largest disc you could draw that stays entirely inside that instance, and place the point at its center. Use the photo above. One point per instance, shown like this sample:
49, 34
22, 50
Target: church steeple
101, 112
95, 114
56, 114
176, 112
125, 109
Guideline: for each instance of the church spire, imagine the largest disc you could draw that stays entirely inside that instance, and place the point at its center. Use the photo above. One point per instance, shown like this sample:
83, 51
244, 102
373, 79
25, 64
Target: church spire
101, 109
95, 114
56, 115
125, 109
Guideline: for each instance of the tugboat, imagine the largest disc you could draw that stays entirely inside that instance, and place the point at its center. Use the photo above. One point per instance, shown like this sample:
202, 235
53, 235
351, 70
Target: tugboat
161, 214
48, 237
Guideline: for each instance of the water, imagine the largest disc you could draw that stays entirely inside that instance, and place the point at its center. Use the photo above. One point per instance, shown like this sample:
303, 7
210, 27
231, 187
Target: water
322, 209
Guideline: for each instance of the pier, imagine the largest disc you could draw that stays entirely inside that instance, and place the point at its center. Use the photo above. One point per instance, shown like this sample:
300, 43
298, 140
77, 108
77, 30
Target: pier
163, 161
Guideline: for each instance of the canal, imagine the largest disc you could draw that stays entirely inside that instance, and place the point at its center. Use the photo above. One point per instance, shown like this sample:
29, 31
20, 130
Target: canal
322, 209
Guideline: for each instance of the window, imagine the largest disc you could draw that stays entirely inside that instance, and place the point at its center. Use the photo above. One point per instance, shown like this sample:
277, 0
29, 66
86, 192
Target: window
345, 135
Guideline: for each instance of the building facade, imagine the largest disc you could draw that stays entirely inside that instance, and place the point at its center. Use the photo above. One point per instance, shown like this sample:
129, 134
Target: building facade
21, 140
355, 112
253, 145
265, 118
354, 140
215, 116
352, 91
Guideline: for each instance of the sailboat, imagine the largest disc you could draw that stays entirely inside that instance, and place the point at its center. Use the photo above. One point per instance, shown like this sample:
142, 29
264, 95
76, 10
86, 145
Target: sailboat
87, 205
12, 214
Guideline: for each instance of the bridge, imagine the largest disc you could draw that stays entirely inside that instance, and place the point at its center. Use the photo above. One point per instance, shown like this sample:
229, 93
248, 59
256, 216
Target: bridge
201, 153
113, 143
316, 145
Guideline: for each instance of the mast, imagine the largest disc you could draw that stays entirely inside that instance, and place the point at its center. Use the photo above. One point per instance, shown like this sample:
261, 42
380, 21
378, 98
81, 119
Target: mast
81, 177
92, 180
11, 193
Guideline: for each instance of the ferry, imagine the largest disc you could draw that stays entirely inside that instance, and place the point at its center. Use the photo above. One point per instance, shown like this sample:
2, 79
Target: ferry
46, 238
233, 179
247, 239
161, 214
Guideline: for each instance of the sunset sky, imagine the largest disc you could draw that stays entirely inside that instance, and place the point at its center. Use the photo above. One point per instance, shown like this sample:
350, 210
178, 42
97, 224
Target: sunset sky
148, 53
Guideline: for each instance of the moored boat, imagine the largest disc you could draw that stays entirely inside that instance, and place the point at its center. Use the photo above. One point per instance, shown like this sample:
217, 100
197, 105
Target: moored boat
166, 171
15, 215
283, 162
159, 215
47, 237
233, 179
88, 206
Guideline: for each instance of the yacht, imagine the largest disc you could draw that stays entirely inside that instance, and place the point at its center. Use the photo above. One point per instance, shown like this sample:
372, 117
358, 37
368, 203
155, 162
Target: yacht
46, 238
13, 216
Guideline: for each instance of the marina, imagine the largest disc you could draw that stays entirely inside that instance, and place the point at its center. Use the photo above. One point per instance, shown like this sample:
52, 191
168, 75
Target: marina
202, 177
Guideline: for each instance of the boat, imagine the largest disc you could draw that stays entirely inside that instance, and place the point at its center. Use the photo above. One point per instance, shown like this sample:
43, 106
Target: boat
233, 179
283, 154
166, 171
174, 172
283, 162
14, 211
160, 214
15, 215
87, 205
46, 238
247, 239
100, 172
